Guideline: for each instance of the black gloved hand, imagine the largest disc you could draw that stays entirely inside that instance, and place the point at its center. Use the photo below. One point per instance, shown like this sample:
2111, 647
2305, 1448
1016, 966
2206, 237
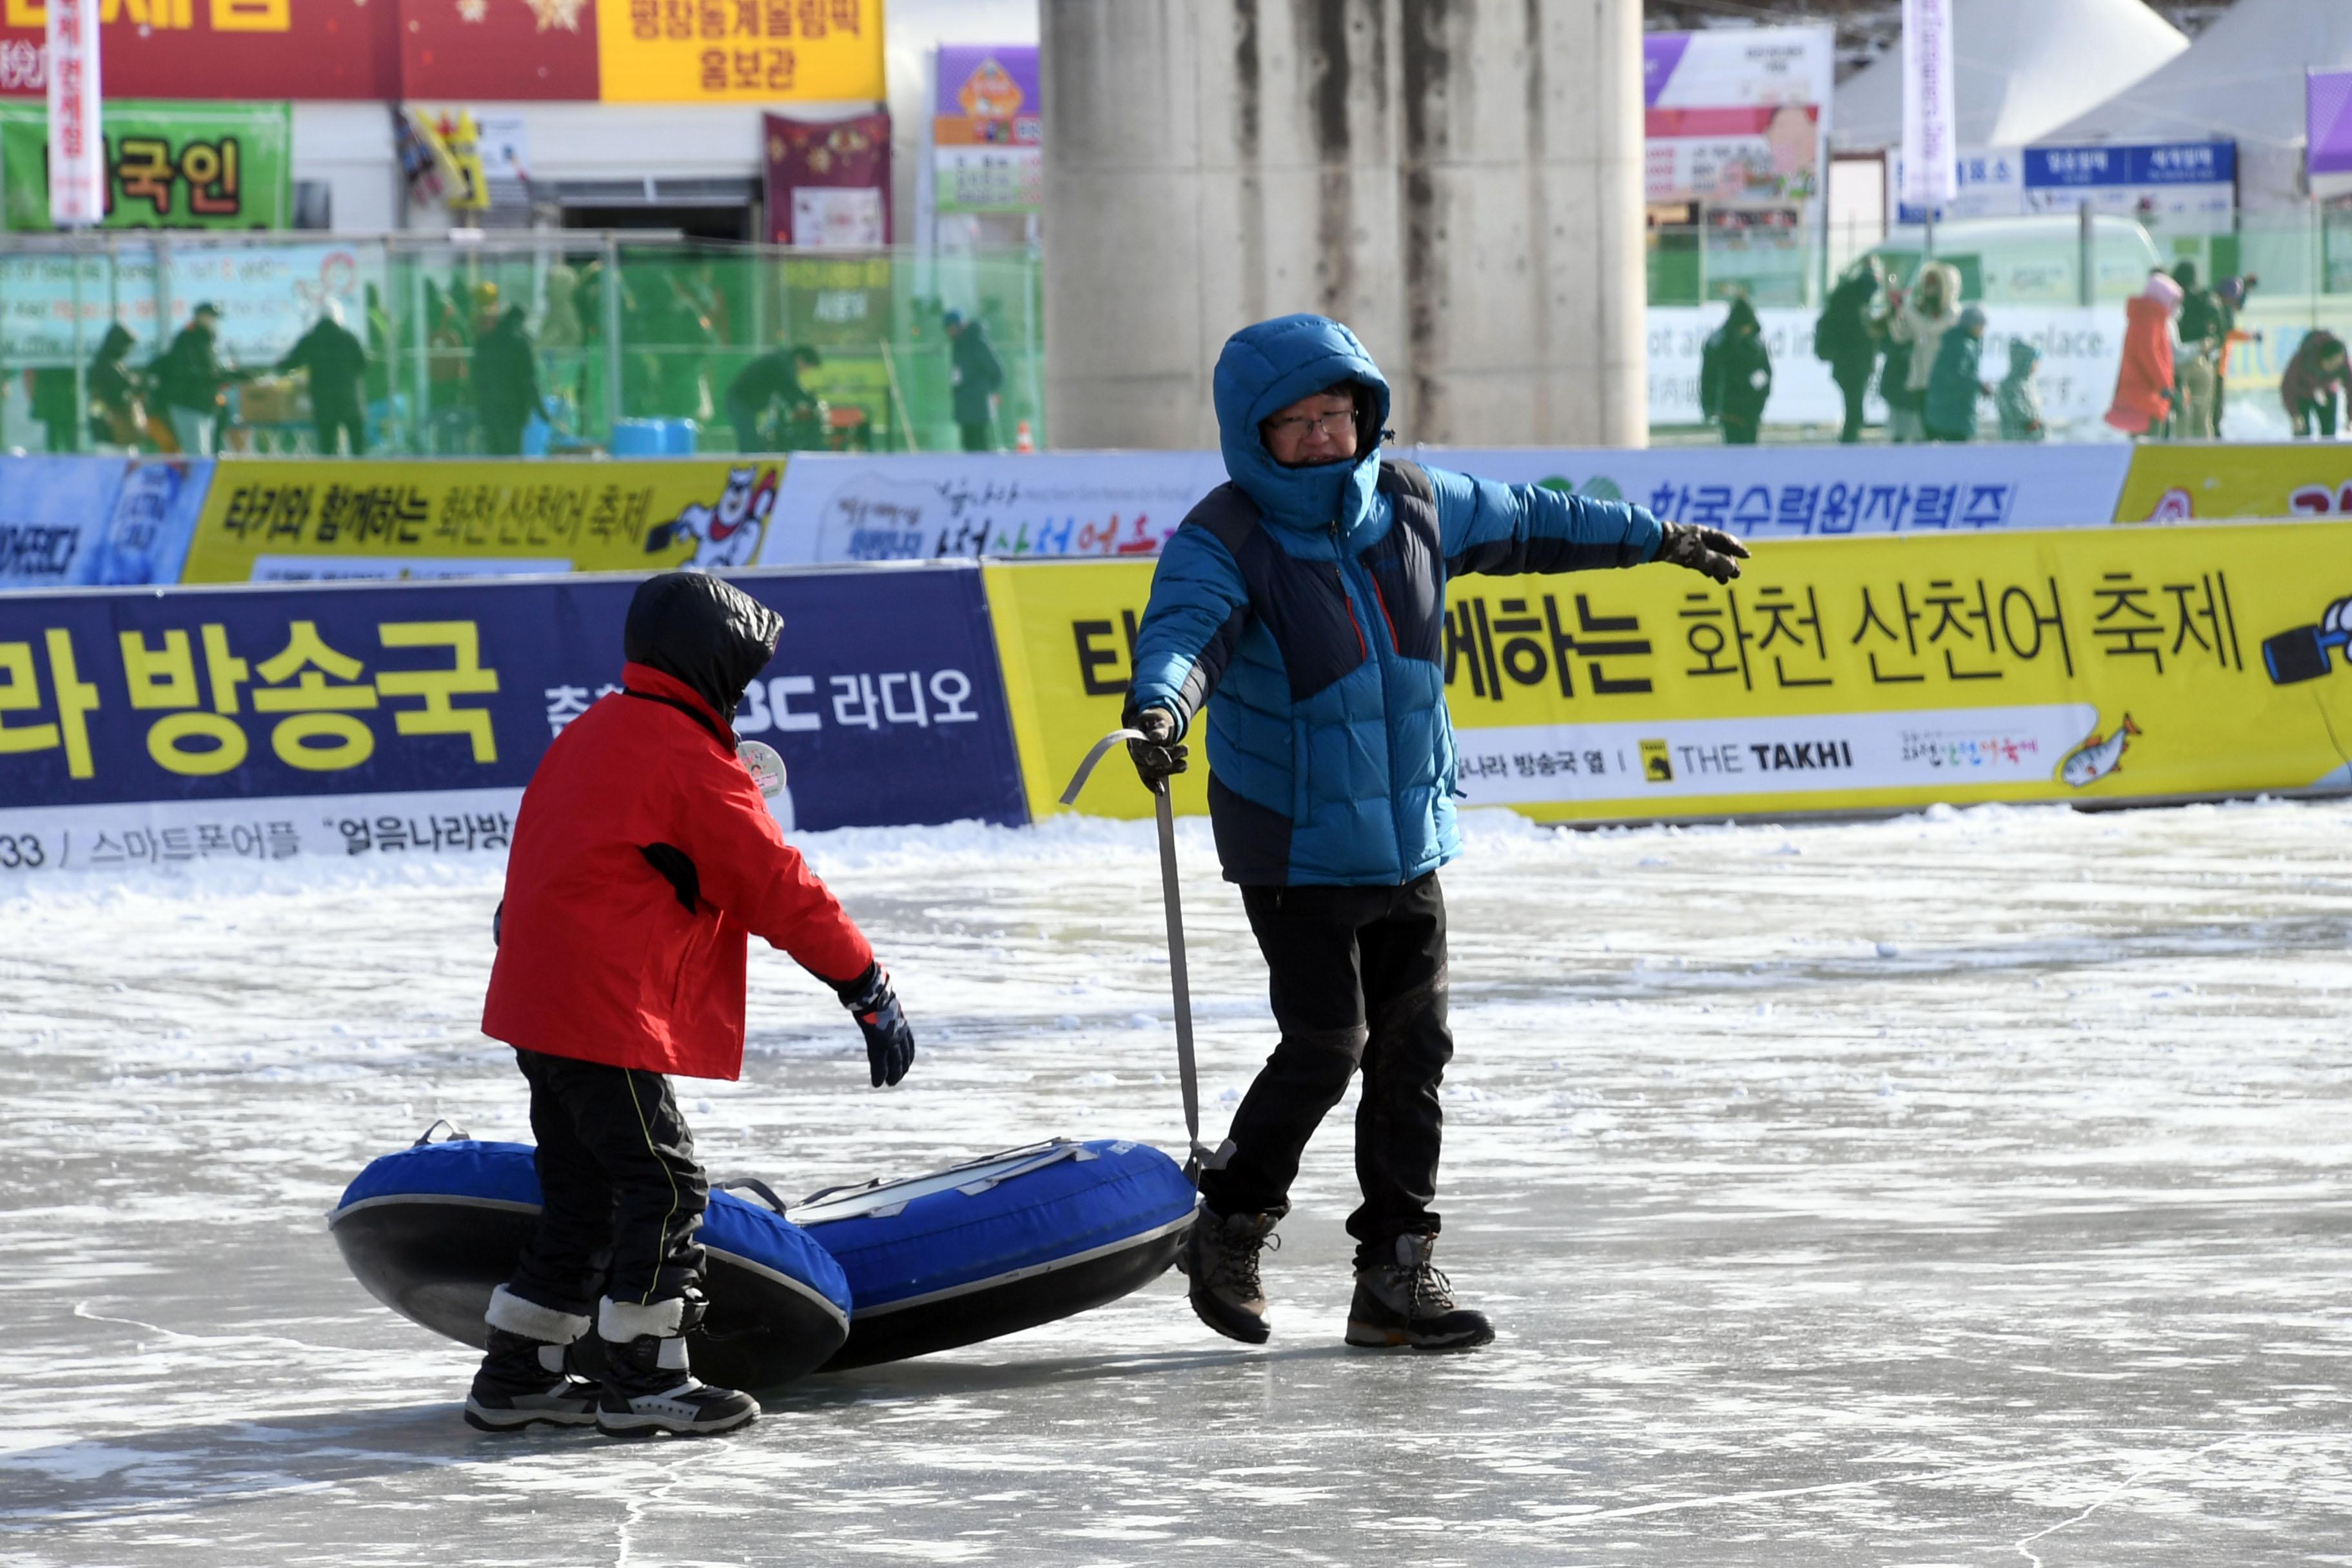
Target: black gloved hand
1708, 550
1159, 758
889, 1043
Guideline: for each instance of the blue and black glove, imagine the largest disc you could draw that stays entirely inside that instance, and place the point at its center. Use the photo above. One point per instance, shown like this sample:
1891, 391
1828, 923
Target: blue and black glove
1710, 552
889, 1043
1158, 757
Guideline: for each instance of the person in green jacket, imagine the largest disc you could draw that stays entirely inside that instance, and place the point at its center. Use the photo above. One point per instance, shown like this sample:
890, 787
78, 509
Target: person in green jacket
1955, 384
1735, 376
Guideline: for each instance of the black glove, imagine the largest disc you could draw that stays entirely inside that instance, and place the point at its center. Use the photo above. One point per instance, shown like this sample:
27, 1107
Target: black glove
1160, 757
889, 1043
1708, 550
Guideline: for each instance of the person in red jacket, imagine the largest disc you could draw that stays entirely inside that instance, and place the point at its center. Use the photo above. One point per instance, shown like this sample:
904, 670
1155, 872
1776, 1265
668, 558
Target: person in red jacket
643, 858
2145, 391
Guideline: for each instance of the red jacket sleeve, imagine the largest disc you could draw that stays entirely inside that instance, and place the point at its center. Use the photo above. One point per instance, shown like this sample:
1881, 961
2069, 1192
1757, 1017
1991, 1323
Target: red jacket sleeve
749, 872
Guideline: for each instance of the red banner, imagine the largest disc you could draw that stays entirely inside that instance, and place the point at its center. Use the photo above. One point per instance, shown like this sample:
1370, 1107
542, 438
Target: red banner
498, 49
383, 50
829, 181
241, 50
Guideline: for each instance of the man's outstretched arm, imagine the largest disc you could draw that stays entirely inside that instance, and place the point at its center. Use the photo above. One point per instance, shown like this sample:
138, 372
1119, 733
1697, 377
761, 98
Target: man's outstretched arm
1498, 530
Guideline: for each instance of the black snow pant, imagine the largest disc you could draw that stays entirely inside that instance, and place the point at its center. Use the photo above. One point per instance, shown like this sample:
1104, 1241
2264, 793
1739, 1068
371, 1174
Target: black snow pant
1851, 382
744, 416
1358, 979
502, 437
621, 1195
333, 422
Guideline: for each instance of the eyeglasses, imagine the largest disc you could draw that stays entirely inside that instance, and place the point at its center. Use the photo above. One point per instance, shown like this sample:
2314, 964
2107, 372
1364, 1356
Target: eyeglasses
1307, 424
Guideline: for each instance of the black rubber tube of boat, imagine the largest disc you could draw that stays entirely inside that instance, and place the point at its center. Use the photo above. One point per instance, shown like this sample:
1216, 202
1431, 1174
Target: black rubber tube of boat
1187, 1074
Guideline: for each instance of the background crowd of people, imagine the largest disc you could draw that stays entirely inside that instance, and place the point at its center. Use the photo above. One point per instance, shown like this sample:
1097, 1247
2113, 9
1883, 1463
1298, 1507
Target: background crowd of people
496, 379
1921, 347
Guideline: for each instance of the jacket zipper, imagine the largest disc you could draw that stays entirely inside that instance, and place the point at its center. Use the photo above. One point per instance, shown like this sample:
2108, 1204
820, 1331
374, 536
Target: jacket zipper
1388, 727
1339, 572
1382, 600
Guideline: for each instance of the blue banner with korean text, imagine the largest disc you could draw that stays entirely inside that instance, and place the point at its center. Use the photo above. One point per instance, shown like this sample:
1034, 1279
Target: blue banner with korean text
258, 723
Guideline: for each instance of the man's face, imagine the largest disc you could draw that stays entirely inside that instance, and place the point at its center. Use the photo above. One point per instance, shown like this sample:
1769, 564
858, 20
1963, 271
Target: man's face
1319, 429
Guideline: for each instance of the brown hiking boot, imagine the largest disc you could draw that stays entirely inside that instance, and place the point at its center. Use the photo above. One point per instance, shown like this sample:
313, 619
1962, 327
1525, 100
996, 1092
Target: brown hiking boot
1220, 1257
1407, 1301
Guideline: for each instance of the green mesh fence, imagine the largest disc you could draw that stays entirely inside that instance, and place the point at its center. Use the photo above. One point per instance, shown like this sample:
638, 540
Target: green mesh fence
628, 340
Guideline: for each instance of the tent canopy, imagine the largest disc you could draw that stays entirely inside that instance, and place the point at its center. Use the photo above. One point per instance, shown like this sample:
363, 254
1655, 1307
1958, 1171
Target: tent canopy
2020, 69
2241, 81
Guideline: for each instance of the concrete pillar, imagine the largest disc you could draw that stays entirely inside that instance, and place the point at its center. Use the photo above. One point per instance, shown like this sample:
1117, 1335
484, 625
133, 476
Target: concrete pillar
1460, 181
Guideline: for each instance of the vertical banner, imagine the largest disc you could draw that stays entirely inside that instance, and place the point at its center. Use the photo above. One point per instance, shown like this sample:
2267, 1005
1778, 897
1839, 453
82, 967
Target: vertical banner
2328, 121
1739, 116
988, 140
77, 149
1930, 179
828, 181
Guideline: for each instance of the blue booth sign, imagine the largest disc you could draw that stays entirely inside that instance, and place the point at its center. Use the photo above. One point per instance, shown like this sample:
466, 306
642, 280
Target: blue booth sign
259, 722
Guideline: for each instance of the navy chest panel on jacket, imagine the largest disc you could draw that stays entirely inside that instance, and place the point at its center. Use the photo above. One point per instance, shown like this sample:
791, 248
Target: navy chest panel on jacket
1304, 604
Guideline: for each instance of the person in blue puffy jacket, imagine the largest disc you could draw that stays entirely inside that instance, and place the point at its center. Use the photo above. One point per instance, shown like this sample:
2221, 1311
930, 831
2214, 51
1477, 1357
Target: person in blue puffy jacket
1302, 605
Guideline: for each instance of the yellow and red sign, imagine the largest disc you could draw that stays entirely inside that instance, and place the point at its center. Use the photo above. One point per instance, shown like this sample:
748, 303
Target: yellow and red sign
622, 51
1862, 674
302, 521
2173, 484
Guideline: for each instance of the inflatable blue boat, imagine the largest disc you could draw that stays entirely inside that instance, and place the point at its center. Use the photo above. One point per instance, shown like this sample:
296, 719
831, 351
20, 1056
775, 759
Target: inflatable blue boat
853, 1276
429, 1231
999, 1244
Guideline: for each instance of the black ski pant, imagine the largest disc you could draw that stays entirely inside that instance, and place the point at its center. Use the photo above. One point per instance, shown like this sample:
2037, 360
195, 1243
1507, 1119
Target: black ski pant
1851, 385
621, 1195
333, 422
1357, 980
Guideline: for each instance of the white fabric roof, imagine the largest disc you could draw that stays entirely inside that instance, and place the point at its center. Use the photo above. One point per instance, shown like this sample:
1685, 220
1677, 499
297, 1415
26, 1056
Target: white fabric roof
2022, 68
2241, 80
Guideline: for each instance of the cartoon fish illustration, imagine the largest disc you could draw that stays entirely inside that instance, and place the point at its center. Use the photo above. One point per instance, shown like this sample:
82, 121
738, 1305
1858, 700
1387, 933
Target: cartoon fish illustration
2098, 756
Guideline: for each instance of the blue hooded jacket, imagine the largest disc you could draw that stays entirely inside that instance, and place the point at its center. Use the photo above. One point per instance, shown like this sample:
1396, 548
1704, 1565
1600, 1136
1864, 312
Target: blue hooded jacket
1311, 602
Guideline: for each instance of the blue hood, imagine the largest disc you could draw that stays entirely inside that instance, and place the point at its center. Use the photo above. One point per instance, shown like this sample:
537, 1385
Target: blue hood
1267, 368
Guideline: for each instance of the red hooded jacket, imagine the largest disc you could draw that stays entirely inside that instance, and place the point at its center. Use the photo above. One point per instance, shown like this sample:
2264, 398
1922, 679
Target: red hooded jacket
2145, 374
643, 858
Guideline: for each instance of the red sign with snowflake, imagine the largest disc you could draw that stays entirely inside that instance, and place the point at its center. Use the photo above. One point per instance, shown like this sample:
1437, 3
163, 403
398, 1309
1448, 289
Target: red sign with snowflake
391, 51
498, 48
221, 48
385, 50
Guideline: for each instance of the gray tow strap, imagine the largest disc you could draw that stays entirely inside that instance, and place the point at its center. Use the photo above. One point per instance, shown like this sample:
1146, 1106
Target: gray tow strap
1186, 1072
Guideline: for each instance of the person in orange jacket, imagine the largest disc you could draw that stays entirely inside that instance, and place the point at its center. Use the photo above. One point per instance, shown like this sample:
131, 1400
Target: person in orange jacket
644, 858
2146, 390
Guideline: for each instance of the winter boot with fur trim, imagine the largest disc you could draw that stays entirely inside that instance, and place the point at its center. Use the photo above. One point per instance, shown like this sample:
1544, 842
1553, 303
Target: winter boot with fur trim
525, 1379
647, 1386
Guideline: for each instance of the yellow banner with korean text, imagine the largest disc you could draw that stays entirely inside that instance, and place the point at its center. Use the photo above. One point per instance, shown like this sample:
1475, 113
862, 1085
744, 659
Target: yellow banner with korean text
1836, 676
720, 51
276, 520
2175, 483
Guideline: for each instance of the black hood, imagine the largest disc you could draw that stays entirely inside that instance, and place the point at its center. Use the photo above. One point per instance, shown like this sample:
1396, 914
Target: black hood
709, 634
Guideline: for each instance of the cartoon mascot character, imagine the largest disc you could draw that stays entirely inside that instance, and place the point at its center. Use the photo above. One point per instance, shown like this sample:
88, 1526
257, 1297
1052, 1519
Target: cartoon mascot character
726, 535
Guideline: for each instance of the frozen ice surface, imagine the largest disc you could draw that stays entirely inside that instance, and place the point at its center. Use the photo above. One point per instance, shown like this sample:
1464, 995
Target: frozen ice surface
1966, 1188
